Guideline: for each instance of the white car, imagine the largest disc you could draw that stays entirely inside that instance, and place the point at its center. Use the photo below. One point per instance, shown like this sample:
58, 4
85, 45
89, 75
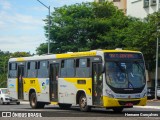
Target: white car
5, 98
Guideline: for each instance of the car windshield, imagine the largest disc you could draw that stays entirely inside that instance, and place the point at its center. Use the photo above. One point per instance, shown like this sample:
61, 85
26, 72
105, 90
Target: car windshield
4, 91
125, 74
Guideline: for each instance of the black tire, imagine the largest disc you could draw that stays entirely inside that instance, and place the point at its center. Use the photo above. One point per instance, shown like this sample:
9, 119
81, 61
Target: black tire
65, 106
118, 109
8, 103
83, 103
33, 102
41, 105
18, 103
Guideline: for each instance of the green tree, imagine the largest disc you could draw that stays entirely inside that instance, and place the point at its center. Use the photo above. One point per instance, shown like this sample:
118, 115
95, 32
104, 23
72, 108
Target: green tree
89, 26
20, 54
85, 26
4, 57
142, 35
42, 49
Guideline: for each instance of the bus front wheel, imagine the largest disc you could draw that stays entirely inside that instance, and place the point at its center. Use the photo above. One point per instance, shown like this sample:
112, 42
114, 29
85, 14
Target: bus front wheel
83, 103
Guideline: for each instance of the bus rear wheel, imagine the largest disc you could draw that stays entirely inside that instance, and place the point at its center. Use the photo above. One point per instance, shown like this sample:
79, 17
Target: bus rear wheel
83, 103
65, 106
33, 102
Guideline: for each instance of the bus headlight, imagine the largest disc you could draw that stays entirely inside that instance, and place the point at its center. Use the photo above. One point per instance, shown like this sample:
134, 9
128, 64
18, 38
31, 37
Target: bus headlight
109, 94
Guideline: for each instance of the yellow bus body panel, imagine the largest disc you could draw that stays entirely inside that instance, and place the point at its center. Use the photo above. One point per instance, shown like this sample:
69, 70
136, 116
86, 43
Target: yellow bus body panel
113, 102
20, 59
31, 83
75, 54
54, 103
86, 87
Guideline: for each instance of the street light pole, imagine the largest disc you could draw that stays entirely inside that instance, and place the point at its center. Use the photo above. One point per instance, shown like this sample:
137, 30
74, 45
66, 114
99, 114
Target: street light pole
156, 74
157, 45
48, 7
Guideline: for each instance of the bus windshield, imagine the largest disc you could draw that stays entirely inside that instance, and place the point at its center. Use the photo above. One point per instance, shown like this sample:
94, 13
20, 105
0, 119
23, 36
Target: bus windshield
125, 74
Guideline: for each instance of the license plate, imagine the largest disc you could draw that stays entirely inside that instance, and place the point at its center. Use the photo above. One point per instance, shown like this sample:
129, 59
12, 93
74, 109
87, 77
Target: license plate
129, 104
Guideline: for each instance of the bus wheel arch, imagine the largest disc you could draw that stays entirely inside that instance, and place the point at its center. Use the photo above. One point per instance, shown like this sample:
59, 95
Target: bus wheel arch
81, 99
33, 100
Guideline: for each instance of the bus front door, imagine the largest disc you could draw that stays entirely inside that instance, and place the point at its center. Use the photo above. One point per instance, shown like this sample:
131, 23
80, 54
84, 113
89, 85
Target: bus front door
20, 81
54, 68
97, 85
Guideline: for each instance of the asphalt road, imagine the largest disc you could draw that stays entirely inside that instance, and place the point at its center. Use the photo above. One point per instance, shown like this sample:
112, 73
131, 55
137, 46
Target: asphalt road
51, 111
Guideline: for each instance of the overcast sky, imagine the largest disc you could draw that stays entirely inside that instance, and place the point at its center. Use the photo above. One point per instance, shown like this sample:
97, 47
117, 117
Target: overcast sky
21, 23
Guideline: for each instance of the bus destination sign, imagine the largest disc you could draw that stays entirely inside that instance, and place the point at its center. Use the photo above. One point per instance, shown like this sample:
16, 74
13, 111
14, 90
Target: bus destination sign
123, 56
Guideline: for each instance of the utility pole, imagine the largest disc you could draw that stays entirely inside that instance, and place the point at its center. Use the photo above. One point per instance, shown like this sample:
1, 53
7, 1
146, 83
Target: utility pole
48, 7
157, 45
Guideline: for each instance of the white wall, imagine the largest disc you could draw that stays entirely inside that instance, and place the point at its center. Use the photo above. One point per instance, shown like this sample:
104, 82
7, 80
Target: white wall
135, 8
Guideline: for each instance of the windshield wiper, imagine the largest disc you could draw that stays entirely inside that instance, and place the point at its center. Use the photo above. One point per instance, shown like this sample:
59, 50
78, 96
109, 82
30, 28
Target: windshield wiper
139, 65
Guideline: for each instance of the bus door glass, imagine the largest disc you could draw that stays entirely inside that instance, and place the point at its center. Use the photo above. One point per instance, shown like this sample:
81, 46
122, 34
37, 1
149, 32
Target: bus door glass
54, 69
97, 83
20, 81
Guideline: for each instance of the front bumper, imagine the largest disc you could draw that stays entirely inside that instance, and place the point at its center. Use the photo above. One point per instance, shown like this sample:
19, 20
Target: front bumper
115, 102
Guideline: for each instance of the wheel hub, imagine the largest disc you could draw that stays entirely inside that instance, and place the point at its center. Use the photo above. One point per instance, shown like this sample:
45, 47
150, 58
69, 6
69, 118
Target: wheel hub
83, 102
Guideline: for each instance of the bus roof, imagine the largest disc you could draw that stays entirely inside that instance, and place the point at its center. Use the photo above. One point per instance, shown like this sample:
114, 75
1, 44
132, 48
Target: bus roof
67, 55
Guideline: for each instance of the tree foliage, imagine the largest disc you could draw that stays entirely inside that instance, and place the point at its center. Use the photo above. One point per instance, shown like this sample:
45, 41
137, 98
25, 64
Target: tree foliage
84, 26
4, 57
89, 26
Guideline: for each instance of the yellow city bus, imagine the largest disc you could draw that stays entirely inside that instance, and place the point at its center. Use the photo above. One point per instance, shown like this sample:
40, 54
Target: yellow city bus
114, 79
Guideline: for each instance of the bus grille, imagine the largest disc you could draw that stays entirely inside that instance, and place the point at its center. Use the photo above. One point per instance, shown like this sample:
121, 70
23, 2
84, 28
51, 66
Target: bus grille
135, 102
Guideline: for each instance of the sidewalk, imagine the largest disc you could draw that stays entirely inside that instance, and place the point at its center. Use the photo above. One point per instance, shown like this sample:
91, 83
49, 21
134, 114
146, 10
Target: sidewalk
24, 102
151, 104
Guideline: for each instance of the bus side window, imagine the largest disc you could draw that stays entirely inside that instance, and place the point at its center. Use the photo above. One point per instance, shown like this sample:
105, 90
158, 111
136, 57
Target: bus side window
32, 69
12, 70
42, 69
82, 67
68, 68
63, 70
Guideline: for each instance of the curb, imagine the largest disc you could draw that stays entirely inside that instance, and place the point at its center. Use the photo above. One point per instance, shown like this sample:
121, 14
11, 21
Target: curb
150, 107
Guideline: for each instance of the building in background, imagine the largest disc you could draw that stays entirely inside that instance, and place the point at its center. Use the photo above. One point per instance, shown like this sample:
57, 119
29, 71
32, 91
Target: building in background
121, 4
136, 8
141, 8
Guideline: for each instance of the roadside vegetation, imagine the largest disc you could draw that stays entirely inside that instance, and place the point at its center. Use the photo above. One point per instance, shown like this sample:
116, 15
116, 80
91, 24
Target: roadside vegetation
89, 26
